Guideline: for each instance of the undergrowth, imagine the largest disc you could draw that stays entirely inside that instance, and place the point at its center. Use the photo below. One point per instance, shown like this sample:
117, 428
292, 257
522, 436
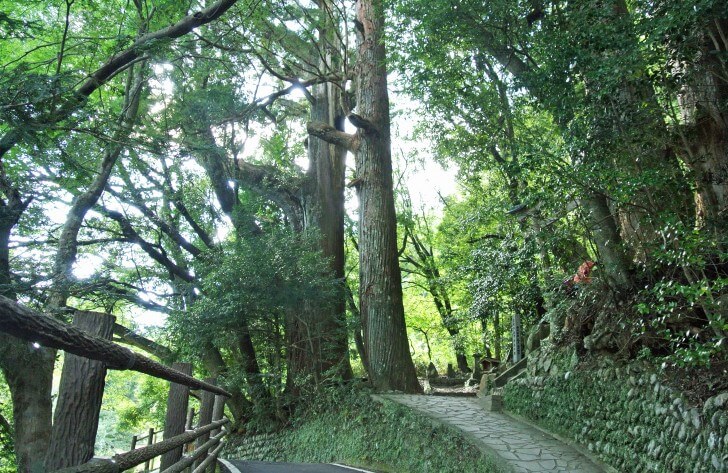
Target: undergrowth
345, 425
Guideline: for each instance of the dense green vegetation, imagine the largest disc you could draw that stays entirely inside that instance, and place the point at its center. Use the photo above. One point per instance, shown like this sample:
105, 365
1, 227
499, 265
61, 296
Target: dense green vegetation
230, 187
348, 426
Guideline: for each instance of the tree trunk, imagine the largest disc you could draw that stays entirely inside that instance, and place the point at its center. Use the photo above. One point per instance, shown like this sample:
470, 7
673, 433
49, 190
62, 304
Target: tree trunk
76, 417
29, 374
329, 163
497, 337
239, 405
28, 370
612, 256
175, 419
317, 336
380, 289
705, 135
358, 329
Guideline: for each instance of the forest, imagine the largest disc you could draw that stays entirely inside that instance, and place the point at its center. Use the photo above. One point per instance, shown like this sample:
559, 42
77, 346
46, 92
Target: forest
296, 195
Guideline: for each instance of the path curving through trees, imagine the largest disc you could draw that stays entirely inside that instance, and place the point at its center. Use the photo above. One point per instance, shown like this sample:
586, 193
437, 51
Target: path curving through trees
516, 446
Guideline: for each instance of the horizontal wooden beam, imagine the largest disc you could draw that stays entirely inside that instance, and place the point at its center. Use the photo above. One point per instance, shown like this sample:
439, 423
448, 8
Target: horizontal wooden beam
125, 461
21, 322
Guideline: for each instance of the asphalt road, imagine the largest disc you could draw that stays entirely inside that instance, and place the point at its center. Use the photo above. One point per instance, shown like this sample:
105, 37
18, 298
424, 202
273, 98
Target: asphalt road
269, 467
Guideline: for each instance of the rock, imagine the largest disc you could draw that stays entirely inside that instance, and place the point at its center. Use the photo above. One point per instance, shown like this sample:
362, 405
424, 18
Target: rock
695, 418
486, 384
539, 333
682, 433
712, 440
432, 371
493, 403
717, 463
427, 388
716, 402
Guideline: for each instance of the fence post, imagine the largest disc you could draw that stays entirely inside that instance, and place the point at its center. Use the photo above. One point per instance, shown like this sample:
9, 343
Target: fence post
174, 422
207, 403
76, 417
150, 441
190, 418
218, 411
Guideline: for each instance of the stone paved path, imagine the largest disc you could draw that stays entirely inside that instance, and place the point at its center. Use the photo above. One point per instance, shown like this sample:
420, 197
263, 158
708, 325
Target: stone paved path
519, 446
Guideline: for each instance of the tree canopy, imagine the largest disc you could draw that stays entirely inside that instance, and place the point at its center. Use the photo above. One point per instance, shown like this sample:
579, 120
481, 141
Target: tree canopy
228, 167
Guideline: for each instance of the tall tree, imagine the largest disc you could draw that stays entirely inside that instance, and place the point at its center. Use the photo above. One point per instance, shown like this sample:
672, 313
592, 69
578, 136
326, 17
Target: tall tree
380, 284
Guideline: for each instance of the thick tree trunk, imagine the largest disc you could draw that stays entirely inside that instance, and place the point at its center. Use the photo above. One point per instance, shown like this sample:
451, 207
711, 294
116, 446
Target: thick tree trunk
705, 135
28, 370
174, 422
380, 289
76, 417
29, 374
317, 335
612, 256
358, 329
327, 166
239, 405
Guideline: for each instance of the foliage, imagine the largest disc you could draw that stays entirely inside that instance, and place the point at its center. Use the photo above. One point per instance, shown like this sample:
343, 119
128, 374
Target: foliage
347, 426
541, 115
132, 404
685, 299
7, 455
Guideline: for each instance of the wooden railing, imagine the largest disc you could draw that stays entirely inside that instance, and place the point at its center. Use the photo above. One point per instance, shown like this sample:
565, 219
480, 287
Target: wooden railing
149, 437
208, 436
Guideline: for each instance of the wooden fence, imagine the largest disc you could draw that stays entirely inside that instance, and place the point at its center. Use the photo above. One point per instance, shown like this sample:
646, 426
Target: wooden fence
207, 436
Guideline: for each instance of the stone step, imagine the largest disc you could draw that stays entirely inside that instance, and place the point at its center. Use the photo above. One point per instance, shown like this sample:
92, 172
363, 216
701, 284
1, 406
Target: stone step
511, 372
491, 403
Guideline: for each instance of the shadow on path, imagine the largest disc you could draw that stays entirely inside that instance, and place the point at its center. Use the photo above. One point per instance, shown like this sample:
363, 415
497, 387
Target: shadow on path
244, 466
516, 446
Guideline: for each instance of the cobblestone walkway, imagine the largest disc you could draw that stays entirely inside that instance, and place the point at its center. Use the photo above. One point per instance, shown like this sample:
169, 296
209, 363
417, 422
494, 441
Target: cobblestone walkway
519, 446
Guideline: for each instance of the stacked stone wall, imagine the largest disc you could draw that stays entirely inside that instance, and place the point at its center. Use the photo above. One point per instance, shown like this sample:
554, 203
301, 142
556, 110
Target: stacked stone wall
627, 418
263, 447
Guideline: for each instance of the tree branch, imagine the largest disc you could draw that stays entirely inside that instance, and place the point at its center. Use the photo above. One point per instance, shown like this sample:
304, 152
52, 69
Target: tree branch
148, 248
331, 135
112, 67
128, 337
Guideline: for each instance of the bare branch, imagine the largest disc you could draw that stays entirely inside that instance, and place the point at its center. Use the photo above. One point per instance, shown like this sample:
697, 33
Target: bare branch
331, 135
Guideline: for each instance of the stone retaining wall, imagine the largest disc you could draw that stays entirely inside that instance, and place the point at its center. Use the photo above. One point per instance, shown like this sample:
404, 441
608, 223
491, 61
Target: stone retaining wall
627, 418
262, 447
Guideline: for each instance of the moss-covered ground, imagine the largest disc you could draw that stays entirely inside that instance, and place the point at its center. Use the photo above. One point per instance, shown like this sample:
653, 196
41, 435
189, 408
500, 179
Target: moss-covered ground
347, 426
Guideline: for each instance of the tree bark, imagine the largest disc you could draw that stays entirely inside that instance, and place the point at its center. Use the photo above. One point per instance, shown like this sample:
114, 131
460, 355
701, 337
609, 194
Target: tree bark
380, 290
174, 423
705, 133
612, 256
76, 417
326, 176
28, 370
30, 389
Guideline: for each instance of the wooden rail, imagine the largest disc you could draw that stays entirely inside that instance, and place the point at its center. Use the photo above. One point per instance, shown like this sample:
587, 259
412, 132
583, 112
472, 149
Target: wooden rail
127, 460
33, 326
149, 437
